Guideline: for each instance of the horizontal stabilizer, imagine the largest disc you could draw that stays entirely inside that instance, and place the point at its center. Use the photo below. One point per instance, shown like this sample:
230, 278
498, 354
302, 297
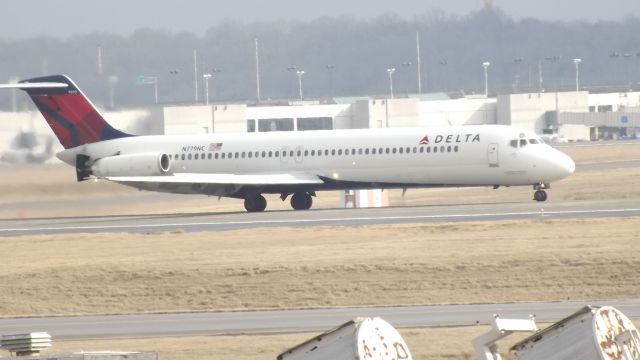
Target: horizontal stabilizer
242, 179
41, 85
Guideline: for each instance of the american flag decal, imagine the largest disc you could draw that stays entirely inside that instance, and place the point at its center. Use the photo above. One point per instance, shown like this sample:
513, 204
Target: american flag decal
424, 141
215, 146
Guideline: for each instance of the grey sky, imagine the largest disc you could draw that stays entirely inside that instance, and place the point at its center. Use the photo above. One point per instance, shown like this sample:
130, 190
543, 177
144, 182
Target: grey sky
63, 18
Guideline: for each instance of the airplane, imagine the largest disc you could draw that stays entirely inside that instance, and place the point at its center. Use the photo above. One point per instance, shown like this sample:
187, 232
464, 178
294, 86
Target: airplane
296, 164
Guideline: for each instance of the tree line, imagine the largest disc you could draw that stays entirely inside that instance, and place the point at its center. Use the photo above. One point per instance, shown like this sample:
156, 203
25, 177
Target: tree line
340, 56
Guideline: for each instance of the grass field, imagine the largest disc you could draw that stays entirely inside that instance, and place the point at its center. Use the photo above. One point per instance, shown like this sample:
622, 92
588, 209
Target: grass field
284, 268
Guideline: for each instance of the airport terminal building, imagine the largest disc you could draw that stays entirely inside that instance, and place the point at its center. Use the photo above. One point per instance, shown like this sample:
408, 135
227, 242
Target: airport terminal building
573, 116
567, 116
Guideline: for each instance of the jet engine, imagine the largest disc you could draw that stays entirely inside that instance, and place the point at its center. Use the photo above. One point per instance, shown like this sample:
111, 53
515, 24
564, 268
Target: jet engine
143, 164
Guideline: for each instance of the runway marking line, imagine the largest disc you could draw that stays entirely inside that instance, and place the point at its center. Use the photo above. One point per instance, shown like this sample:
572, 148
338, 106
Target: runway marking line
542, 213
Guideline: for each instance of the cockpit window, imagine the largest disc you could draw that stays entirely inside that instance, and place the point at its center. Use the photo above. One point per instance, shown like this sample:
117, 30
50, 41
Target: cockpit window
514, 143
534, 141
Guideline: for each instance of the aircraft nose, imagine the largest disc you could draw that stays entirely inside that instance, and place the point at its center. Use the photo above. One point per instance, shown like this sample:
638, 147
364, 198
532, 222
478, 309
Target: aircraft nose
565, 165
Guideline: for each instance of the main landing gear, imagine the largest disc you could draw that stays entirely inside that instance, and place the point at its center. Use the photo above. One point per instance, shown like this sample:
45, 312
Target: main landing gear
255, 203
299, 201
540, 195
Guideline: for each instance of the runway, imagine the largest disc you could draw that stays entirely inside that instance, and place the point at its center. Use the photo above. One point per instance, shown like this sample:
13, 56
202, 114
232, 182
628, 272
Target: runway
335, 217
291, 321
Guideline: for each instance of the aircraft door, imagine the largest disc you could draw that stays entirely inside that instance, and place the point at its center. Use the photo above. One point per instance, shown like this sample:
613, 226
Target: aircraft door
492, 155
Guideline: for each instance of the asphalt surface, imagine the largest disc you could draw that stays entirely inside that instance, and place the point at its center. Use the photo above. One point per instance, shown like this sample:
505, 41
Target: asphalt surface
334, 217
291, 321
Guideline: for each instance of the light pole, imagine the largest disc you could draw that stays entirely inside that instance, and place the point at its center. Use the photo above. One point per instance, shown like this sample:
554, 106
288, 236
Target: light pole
486, 65
300, 73
174, 84
390, 71
516, 77
330, 68
206, 87
577, 62
113, 80
155, 88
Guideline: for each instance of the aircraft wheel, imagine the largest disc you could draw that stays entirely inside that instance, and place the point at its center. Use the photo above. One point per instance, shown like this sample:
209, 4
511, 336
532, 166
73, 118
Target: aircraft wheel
256, 203
540, 195
301, 201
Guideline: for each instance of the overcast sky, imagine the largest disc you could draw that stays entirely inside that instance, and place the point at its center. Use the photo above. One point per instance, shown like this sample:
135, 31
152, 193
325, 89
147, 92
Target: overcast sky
62, 18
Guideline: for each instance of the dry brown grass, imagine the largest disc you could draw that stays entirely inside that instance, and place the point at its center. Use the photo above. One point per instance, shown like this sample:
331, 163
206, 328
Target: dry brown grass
284, 268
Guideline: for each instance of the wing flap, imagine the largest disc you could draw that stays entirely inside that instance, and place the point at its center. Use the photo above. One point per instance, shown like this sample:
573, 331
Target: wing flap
239, 179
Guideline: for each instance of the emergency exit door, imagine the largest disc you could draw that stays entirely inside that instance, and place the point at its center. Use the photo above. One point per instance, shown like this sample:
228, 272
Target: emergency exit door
492, 155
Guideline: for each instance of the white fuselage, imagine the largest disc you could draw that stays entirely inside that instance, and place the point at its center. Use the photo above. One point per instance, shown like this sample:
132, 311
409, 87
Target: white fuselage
400, 157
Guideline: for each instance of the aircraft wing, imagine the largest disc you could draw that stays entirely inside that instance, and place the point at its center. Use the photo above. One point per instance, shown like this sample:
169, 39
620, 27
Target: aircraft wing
236, 179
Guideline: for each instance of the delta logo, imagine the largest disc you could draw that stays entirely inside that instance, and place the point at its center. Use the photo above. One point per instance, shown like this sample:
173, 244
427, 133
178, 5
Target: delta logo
452, 138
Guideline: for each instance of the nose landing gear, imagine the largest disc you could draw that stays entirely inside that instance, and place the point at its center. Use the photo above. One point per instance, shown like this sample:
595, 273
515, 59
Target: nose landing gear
540, 195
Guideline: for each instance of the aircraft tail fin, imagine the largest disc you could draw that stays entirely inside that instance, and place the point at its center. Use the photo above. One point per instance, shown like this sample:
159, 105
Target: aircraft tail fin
69, 113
